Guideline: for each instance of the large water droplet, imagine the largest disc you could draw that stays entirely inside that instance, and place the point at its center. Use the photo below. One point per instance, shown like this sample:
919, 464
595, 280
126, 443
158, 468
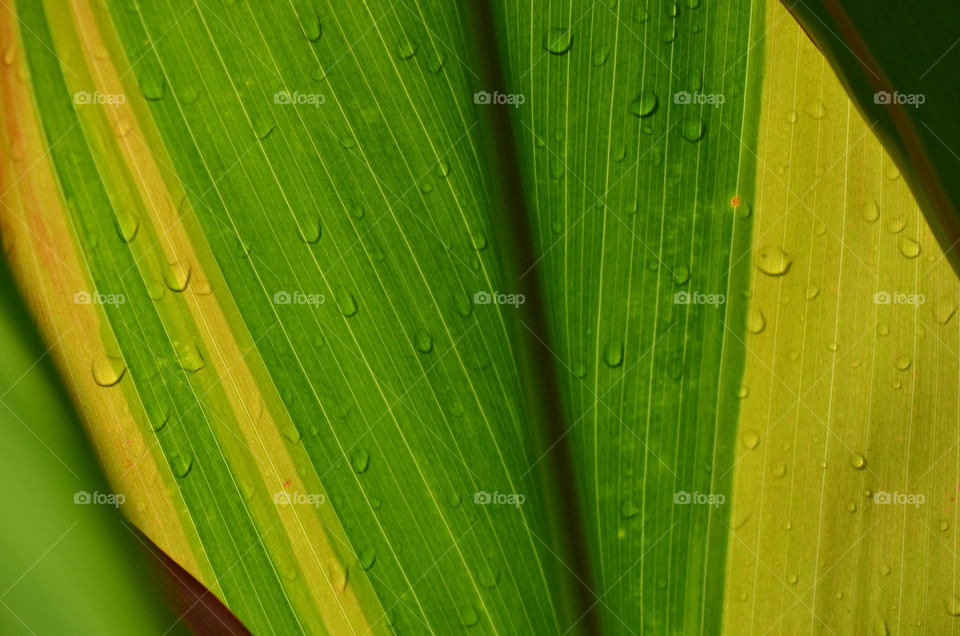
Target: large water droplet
773, 261
756, 323
644, 104
176, 276
311, 25
613, 353
127, 224
558, 40
108, 370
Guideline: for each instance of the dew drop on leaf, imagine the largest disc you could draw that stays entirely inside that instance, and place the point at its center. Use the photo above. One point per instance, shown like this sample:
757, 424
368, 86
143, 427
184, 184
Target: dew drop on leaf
692, 129
108, 370
189, 357
952, 605
311, 25
613, 353
903, 362
858, 461
757, 322
153, 85
310, 230
681, 275
360, 460
158, 414
780, 469
422, 342
773, 261
908, 247
263, 126
871, 211
896, 224
600, 56
406, 50
128, 223
644, 104
367, 557
469, 616
750, 439
346, 302
180, 464
629, 509
176, 276
558, 40
815, 110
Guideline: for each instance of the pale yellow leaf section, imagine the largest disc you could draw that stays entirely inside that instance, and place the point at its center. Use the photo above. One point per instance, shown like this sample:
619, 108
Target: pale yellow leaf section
852, 378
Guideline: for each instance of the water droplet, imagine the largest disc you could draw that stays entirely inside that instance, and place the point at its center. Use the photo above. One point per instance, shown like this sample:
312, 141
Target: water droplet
360, 460
952, 605
318, 73
311, 25
773, 261
883, 330
946, 311
189, 356
108, 370
629, 509
692, 129
613, 353
158, 415
346, 302
443, 169
681, 274
310, 230
367, 557
488, 577
750, 439
469, 616
812, 292
792, 117
743, 392
436, 61
871, 211
815, 110
858, 461
580, 370
478, 239
600, 55
944, 526
644, 104
779, 470
127, 224
9, 55
176, 276
851, 506
406, 50
153, 85
263, 126
348, 142
903, 362
792, 579
891, 172
884, 570
180, 464
558, 40
422, 342
908, 247
757, 322
668, 33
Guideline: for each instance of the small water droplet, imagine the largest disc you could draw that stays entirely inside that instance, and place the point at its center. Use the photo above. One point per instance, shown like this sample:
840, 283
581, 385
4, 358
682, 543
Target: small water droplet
436, 61
629, 509
558, 40
128, 223
792, 579
478, 239
346, 302
443, 169
644, 104
681, 274
891, 172
469, 616
692, 129
884, 570
792, 117
600, 55
263, 126
851, 506
108, 370
9, 55
750, 439
946, 311
176, 276
189, 357
488, 577
153, 85
742, 393
613, 353
903, 362
360, 460
773, 261
757, 322
858, 461
422, 342
871, 211
780, 469
944, 526
812, 292
180, 464
580, 370
367, 557
815, 110
952, 605
883, 330
310, 230
406, 50
158, 414
908, 247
